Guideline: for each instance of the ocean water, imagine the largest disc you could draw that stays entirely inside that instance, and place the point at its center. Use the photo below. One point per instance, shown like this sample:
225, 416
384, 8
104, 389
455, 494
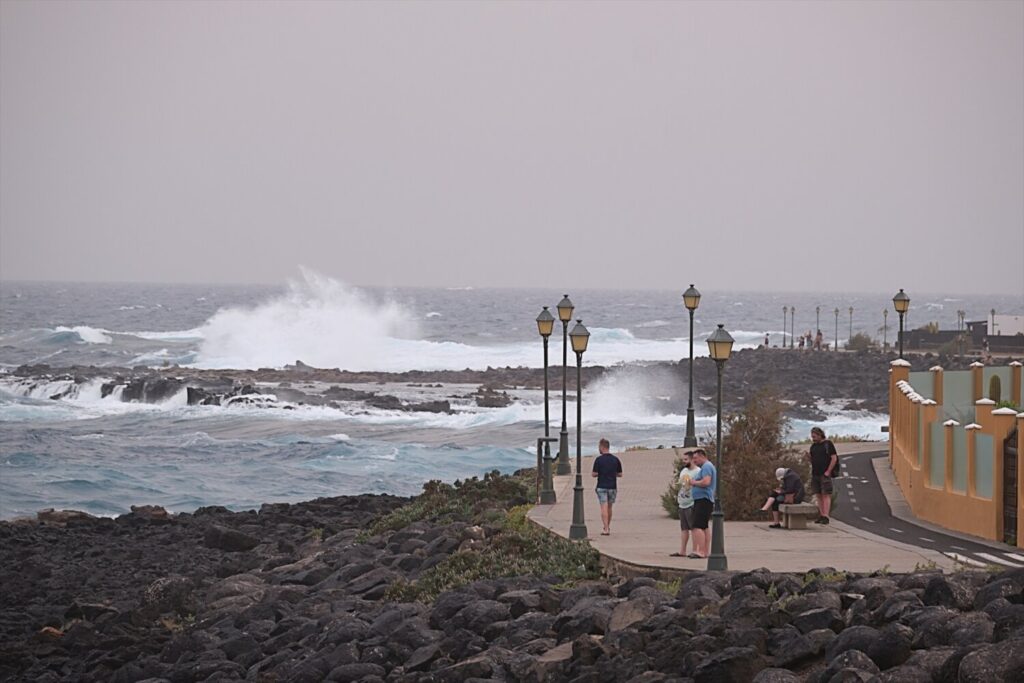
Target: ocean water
103, 455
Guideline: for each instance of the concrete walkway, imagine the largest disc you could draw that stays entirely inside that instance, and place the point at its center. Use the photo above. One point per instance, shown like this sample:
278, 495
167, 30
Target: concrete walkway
643, 536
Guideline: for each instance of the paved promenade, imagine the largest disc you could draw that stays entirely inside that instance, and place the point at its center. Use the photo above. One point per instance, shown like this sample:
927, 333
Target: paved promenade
644, 536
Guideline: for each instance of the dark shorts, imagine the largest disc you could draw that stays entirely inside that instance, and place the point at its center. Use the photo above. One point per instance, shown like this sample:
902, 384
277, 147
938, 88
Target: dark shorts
702, 509
606, 495
686, 516
821, 484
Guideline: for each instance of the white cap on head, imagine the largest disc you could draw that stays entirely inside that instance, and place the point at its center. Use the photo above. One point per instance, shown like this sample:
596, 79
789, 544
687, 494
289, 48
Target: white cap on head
780, 473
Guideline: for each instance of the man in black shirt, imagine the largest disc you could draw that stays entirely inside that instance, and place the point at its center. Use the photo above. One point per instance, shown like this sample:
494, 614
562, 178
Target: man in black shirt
607, 470
824, 463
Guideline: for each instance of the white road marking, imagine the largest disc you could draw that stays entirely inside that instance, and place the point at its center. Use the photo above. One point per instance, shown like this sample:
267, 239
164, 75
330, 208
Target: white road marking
956, 547
927, 540
963, 559
868, 520
998, 560
856, 508
852, 499
896, 530
1014, 556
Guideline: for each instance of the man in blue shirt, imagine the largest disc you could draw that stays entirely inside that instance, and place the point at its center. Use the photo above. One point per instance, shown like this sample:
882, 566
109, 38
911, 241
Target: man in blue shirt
607, 469
704, 487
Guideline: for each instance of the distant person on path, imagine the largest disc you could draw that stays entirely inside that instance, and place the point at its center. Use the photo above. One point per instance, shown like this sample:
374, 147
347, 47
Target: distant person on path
824, 463
790, 490
684, 499
704, 489
817, 341
766, 342
801, 345
607, 470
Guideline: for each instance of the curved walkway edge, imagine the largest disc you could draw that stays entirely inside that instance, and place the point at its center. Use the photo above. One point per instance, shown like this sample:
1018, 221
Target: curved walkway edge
643, 536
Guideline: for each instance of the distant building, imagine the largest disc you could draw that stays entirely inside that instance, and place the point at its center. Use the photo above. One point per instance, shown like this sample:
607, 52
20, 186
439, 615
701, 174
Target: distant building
1007, 325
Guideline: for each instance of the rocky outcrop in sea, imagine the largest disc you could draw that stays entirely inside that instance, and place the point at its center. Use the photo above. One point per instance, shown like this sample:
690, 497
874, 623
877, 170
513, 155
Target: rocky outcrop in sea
803, 378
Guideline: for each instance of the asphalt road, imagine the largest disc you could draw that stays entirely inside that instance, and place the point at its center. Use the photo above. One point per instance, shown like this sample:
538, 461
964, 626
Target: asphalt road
862, 504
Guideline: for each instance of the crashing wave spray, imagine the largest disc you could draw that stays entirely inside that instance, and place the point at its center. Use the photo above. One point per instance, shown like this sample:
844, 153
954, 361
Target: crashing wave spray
319, 320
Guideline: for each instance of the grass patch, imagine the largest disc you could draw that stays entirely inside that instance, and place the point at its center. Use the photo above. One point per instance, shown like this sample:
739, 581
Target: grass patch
467, 500
518, 548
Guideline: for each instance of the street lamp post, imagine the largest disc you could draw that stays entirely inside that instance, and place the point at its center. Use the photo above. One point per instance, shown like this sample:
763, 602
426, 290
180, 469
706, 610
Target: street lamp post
961, 326
720, 346
565, 309
785, 310
792, 327
885, 329
578, 529
546, 325
850, 336
992, 330
691, 299
837, 330
817, 318
901, 302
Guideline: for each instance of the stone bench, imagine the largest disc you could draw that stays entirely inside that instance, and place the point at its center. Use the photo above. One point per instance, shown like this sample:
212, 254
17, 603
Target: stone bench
795, 515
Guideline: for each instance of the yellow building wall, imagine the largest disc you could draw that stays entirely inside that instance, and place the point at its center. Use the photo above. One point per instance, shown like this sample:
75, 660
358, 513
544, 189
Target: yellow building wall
910, 419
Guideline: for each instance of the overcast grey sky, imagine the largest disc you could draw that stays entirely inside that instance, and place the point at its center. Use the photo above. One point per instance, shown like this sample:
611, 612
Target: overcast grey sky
832, 146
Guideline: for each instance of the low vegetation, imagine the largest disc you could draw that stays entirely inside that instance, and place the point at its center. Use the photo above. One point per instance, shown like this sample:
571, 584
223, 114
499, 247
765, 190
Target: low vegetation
518, 548
466, 500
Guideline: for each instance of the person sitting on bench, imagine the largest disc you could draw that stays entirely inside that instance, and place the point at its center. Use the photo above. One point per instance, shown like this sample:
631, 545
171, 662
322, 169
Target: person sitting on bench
790, 491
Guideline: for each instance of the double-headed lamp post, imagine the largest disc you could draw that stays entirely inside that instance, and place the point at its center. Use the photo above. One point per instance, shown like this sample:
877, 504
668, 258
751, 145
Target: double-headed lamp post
901, 302
565, 309
691, 299
546, 325
719, 346
580, 336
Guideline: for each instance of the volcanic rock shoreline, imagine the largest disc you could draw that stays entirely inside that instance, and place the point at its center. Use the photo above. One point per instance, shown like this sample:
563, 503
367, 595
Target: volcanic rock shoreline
293, 592
802, 378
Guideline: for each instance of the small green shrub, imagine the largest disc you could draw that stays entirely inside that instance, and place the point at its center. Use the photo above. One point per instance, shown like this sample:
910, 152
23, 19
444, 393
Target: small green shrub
466, 500
669, 501
861, 342
520, 547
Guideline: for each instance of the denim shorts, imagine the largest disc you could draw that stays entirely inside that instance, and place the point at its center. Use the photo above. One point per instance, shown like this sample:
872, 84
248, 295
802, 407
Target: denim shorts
606, 495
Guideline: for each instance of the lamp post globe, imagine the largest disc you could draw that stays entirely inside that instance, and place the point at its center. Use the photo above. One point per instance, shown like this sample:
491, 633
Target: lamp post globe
580, 336
565, 309
545, 326
901, 302
719, 347
691, 299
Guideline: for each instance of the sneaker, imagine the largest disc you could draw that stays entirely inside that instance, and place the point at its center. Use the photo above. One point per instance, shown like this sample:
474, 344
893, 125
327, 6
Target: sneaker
774, 526
824, 520
819, 519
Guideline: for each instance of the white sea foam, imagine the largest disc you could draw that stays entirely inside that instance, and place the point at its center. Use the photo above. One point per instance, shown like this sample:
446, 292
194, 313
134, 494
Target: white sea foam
89, 335
325, 323
195, 334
